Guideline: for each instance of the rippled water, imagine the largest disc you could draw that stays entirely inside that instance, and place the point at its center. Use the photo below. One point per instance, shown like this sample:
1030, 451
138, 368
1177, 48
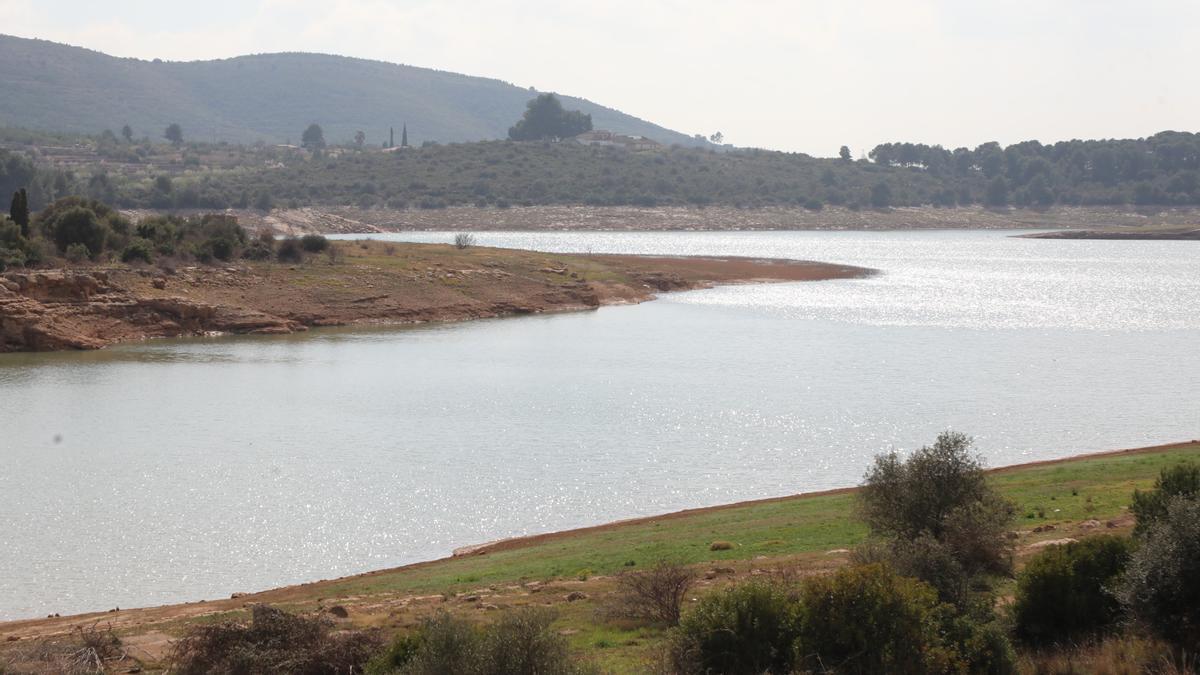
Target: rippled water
179, 470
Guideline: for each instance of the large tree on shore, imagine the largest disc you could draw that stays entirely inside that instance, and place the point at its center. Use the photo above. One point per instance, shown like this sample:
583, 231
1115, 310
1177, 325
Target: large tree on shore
545, 118
174, 133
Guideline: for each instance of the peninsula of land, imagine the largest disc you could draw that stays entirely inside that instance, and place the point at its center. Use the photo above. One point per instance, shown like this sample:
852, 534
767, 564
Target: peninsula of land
366, 282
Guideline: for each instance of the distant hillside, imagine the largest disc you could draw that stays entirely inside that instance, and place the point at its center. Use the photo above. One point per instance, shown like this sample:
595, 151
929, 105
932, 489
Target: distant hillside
268, 97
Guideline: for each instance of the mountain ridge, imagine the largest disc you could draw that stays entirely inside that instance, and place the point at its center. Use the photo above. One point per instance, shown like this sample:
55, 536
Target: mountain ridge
269, 97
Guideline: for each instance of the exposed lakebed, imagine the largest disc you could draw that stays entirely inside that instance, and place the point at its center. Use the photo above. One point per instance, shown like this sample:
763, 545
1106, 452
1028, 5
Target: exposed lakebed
184, 469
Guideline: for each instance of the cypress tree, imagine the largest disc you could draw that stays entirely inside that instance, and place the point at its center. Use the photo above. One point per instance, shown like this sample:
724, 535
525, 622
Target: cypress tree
391, 137
404, 136
19, 211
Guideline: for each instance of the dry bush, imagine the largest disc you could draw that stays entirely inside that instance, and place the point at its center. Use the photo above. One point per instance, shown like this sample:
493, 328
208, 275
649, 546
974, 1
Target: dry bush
273, 642
464, 240
89, 651
1116, 655
655, 594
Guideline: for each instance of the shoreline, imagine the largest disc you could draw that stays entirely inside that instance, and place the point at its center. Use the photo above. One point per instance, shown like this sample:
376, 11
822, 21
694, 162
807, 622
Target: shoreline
359, 283
578, 217
23, 629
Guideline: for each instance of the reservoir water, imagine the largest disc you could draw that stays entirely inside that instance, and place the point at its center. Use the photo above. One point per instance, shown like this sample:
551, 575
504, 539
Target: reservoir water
179, 470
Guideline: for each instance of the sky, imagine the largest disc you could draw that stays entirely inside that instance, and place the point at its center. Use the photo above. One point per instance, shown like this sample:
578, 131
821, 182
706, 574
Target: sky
788, 75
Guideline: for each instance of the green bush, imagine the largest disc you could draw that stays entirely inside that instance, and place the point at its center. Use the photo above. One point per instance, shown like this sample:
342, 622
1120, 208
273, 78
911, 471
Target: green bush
519, 643
747, 629
1181, 480
76, 220
221, 248
944, 521
163, 231
923, 558
289, 250
314, 243
138, 249
80, 225
1066, 592
868, 619
1161, 586
77, 253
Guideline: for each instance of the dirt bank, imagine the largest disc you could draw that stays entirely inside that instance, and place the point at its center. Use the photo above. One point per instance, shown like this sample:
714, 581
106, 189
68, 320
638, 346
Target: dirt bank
362, 282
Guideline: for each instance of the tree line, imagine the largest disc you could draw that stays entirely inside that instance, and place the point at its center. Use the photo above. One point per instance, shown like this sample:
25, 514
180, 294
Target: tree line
1161, 170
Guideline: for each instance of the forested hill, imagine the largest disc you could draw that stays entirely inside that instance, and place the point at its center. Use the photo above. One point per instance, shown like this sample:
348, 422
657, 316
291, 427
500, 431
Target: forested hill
268, 97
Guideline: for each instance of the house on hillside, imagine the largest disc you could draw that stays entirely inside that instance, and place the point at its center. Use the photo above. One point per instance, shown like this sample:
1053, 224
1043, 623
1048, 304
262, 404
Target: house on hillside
613, 139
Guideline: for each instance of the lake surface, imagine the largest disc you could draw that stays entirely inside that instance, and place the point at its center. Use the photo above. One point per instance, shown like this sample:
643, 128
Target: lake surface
187, 469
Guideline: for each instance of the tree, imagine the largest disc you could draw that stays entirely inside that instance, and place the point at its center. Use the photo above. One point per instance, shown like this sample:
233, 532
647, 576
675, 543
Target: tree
545, 118
997, 192
717, 138
313, 137
1161, 586
941, 492
881, 195
404, 135
359, 138
79, 225
174, 133
1150, 507
19, 211
127, 133
844, 153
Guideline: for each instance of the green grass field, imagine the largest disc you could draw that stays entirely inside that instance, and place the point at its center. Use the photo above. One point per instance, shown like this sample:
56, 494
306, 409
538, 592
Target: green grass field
1067, 491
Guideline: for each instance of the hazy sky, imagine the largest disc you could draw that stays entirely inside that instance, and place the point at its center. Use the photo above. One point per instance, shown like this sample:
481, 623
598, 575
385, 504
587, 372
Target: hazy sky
798, 75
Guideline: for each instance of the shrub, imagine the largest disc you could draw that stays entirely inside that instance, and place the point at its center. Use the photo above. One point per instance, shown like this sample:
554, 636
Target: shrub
923, 558
1181, 480
1161, 586
1065, 592
79, 225
870, 620
86, 221
520, 642
77, 253
655, 594
314, 243
138, 249
221, 248
289, 250
257, 250
163, 231
273, 642
746, 629
464, 240
11, 257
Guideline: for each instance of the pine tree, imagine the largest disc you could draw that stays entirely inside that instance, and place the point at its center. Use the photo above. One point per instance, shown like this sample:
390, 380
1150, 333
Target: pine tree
391, 137
404, 136
19, 211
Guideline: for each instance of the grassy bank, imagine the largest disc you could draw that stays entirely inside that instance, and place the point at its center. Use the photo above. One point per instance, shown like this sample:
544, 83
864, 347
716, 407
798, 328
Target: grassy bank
793, 535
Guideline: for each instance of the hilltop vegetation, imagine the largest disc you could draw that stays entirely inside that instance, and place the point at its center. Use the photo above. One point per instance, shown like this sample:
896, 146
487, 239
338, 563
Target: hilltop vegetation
266, 97
1162, 170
